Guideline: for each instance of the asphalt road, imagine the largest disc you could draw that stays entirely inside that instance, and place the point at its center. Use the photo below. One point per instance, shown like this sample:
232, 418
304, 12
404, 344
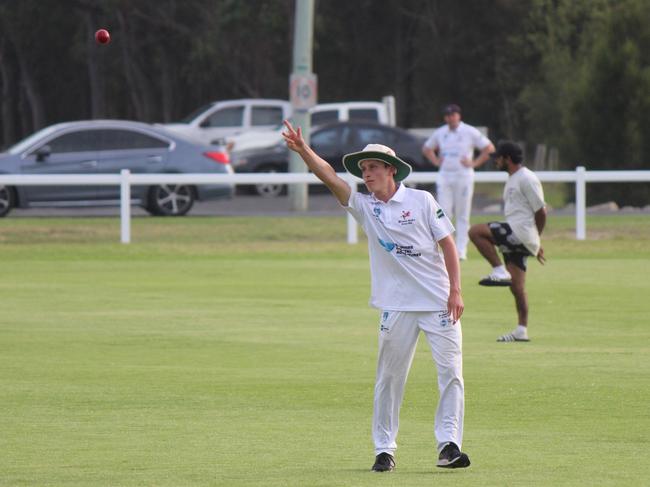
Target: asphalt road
241, 205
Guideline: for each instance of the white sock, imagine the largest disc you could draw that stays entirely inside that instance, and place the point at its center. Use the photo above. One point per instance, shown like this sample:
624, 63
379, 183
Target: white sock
500, 270
521, 331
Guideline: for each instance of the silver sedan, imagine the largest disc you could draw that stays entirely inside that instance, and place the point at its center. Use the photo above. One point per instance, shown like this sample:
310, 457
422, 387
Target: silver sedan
108, 146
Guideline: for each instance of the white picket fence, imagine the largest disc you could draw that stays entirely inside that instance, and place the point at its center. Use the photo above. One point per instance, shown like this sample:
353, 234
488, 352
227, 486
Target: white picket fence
125, 180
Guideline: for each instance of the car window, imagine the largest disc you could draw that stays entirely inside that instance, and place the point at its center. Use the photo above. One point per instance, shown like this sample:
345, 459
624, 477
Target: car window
266, 116
326, 116
363, 114
121, 139
226, 117
80, 141
196, 113
325, 137
375, 135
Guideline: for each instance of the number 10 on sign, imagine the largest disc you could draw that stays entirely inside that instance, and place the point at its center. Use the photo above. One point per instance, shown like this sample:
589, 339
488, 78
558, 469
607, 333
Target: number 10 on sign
303, 90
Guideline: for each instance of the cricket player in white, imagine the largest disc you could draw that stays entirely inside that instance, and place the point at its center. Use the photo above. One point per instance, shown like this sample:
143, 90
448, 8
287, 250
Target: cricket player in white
454, 143
415, 282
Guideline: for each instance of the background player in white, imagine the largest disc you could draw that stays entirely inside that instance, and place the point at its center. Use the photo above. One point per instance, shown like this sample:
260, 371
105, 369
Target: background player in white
518, 237
451, 148
415, 281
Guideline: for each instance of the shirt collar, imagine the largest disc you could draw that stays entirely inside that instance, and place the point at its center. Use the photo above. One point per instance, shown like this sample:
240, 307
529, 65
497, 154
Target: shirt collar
460, 124
399, 195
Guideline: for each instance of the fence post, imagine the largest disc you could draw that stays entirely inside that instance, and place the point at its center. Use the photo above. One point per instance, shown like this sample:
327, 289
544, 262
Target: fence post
353, 236
125, 206
581, 203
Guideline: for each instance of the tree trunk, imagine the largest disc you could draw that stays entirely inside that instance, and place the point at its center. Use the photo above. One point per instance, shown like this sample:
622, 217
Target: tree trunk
6, 101
94, 62
32, 93
139, 89
28, 84
167, 90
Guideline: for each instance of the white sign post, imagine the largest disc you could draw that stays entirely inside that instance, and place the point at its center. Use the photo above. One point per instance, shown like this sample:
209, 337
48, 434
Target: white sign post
302, 93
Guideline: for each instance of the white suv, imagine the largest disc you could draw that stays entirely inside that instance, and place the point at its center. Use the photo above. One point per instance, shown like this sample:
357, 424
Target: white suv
215, 121
252, 122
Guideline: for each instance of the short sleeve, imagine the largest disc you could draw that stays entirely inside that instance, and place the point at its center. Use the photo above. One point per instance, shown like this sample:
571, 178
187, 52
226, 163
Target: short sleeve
532, 190
479, 140
355, 207
432, 141
439, 222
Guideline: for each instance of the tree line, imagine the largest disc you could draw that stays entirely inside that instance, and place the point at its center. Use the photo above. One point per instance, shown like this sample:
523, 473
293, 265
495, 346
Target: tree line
572, 74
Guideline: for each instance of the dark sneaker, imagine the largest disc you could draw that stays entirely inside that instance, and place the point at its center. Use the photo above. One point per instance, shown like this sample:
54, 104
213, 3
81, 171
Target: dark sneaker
495, 280
452, 457
384, 462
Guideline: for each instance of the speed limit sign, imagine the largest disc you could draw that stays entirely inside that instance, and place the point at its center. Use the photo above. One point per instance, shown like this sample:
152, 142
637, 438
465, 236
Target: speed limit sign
303, 91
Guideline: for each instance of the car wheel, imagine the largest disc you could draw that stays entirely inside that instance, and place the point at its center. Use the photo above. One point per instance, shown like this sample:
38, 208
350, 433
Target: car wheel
7, 200
170, 199
268, 190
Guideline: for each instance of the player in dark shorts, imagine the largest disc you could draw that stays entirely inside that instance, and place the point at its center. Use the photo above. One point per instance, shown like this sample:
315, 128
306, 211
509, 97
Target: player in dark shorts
512, 249
518, 237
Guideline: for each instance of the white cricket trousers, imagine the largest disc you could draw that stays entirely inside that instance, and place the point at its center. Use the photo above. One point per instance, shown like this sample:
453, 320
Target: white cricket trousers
454, 192
398, 336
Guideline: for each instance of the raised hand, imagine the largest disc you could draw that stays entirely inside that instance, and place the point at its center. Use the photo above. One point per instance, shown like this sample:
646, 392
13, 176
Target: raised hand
293, 137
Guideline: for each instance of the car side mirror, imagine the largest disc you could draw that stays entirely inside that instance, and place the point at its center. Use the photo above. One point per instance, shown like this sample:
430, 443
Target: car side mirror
43, 153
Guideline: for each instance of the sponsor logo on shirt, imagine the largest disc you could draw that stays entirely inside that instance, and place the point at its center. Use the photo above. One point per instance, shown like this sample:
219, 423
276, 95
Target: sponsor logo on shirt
405, 250
406, 218
388, 246
377, 211
440, 213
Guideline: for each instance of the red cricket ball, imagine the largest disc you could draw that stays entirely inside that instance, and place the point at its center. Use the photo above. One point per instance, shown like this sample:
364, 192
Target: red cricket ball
102, 36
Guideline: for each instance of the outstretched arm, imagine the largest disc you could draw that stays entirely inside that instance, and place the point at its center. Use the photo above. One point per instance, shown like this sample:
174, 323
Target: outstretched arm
455, 304
316, 164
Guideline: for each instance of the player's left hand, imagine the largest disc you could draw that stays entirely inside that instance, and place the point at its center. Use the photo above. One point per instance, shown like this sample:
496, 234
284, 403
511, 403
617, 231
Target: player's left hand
455, 305
540, 256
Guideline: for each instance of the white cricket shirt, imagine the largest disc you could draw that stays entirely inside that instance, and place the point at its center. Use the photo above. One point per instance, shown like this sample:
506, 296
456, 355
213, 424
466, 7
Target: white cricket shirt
453, 145
407, 267
523, 196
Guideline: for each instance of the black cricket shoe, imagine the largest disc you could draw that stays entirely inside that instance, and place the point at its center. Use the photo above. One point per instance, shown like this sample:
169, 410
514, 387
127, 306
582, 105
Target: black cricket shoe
384, 462
452, 457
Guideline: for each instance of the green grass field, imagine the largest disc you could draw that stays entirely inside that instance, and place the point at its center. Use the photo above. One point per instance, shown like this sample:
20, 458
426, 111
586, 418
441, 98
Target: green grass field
241, 352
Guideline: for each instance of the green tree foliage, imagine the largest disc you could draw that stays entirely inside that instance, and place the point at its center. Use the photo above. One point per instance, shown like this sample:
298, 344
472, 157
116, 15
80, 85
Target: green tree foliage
572, 74
552, 48
611, 110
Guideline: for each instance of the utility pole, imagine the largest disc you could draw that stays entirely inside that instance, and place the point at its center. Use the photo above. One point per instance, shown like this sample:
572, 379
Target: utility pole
303, 93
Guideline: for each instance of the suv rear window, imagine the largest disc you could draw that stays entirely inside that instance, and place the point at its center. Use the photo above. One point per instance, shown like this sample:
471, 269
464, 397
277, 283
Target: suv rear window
266, 116
226, 117
364, 114
326, 116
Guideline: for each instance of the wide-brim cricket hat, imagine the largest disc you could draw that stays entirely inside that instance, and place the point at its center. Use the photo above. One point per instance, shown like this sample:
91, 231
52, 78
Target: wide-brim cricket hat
352, 162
